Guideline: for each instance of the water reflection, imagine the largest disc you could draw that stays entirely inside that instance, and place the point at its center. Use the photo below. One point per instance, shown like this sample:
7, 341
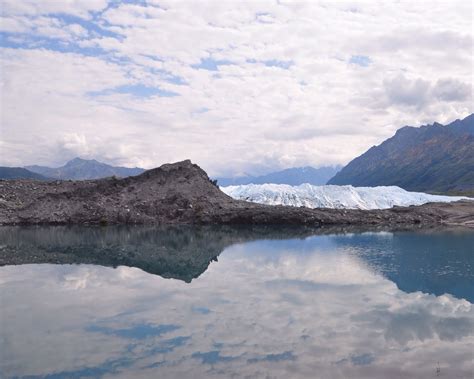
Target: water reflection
320, 306
430, 262
173, 252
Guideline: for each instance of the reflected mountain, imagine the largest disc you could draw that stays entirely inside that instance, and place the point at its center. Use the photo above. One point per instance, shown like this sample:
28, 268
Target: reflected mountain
183, 252
434, 261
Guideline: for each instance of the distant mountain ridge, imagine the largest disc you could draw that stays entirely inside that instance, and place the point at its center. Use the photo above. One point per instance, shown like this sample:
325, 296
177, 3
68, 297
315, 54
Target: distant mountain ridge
19, 173
432, 158
81, 169
292, 176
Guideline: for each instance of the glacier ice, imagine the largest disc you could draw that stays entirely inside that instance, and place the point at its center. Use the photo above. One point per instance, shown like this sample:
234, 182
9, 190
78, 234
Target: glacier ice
332, 196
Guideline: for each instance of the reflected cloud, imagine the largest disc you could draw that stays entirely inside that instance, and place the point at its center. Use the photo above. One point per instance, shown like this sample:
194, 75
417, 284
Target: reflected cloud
135, 332
286, 356
282, 308
212, 357
362, 360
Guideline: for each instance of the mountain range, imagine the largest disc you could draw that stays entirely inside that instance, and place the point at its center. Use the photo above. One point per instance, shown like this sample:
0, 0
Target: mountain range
430, 158
292, 176
19, 173
81, 169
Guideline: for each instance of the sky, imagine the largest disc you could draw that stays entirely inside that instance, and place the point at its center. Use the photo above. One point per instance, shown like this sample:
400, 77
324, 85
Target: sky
237, 87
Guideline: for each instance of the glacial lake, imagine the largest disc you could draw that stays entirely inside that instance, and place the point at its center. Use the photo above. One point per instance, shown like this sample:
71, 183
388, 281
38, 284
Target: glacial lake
221, 302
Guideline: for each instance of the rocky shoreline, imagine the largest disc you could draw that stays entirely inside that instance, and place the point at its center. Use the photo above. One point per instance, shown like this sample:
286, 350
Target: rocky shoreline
182, 193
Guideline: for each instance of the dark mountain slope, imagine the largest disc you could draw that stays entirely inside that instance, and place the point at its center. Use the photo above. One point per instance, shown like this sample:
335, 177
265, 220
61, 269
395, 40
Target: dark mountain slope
80, 169
292, 176
432, 158
19, 173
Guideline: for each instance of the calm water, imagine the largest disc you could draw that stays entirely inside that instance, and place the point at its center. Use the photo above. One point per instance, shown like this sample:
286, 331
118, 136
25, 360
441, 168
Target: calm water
235, 303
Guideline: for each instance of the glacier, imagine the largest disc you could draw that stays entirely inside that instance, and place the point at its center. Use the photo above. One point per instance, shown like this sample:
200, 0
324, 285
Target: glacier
333, 196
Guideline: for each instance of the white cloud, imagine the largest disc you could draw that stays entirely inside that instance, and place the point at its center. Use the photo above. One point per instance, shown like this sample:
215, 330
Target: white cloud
274, 80
452, 90
78, 8
403, 91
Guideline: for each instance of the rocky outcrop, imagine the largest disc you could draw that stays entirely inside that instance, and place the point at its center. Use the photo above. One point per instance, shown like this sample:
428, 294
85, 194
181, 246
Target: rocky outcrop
182, 193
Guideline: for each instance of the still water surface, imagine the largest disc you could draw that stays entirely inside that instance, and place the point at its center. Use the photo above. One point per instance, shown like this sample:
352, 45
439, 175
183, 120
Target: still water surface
235, 303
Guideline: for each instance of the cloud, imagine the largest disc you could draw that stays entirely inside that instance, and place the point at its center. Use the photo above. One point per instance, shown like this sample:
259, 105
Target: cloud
403, 91
33, 7
282, 83
418, 92
452, 90
74, 144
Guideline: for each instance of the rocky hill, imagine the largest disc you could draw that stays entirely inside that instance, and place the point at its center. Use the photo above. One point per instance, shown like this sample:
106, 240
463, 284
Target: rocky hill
431, 158
80, 169
182, 193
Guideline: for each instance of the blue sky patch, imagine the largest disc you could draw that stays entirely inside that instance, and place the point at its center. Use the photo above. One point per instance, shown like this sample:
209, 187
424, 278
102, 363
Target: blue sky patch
137, 90
211, 357
201, 310
174, 79
210, 64
260, 17
360, 60
28, 41
362, 360
93, 27
276, 63
200, 111
169, 345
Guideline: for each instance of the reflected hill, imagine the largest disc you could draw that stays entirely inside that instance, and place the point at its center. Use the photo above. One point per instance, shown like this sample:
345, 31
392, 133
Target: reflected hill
432, 261
182, 252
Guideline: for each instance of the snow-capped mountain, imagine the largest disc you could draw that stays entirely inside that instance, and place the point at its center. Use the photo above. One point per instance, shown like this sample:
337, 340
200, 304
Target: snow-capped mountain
332, 196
